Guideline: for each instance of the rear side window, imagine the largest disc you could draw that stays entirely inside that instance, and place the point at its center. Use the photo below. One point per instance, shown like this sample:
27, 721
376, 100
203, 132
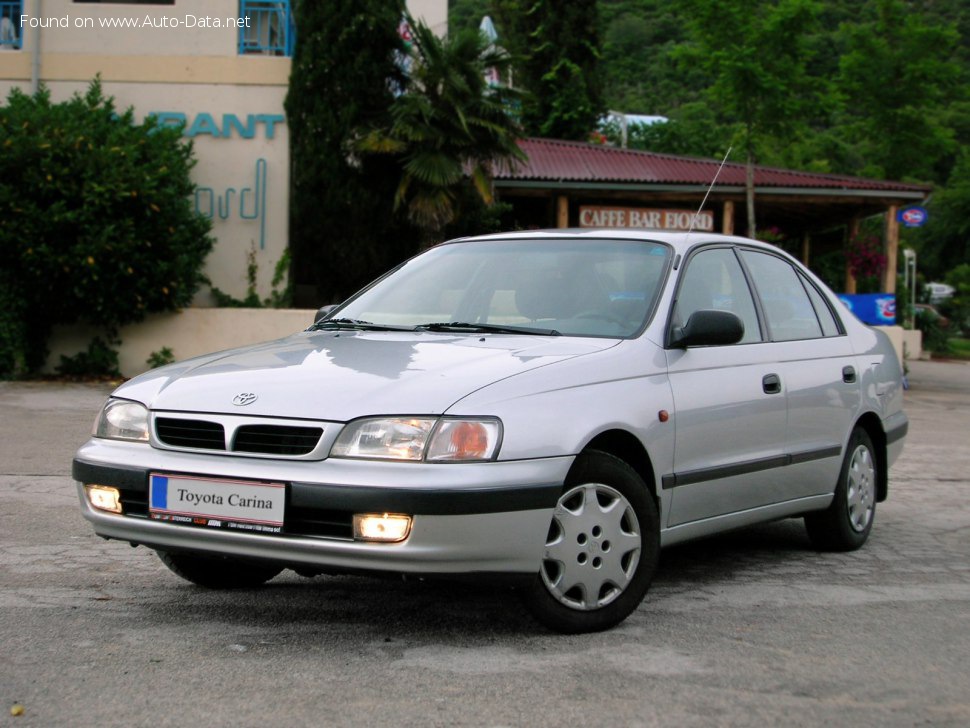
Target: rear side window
788, 309
830, 327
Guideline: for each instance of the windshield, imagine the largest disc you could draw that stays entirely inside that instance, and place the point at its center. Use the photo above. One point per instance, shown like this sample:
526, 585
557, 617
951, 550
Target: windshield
569, 287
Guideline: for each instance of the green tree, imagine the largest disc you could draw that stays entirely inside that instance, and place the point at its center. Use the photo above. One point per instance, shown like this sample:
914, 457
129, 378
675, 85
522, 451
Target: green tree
448, 124
945, 241
344, 77
555, 44
898, 77
98, 223
758, 56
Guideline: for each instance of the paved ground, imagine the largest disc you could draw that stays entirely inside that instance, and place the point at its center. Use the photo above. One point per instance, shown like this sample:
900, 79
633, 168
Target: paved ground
753, 628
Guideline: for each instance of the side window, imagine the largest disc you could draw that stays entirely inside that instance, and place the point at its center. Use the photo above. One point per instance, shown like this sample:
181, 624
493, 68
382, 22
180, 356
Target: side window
714, 280
787, 307
830, 326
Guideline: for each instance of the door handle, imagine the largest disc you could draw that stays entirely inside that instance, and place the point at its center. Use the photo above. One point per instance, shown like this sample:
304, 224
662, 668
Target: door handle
848, 375
771, 383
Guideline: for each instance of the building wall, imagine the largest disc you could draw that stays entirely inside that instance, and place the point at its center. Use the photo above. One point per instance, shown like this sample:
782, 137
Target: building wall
183, 64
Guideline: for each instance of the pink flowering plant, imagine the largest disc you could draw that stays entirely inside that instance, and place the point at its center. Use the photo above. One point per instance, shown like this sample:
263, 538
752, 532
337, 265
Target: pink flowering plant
866, 261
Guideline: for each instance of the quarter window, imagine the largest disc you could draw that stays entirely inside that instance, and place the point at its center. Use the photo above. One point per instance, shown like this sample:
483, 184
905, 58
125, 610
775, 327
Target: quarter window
787, 307
830, 326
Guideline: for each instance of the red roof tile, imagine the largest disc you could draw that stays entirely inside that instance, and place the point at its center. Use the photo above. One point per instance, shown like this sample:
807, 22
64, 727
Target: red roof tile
562, 161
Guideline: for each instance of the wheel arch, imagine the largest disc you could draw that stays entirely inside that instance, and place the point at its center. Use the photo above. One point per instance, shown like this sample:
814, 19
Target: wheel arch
871, 423
627, 447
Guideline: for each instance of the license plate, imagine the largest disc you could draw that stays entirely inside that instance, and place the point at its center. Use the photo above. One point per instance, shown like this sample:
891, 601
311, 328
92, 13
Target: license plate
236, 504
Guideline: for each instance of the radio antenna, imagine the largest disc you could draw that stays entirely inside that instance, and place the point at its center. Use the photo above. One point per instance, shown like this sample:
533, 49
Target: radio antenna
693, 220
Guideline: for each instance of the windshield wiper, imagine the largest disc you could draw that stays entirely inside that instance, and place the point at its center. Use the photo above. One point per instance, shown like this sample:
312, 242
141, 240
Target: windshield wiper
461, 326
355, 324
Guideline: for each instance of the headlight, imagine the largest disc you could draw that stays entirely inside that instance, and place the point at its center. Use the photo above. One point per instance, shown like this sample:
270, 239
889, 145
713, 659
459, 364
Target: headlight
122, 419
420, 438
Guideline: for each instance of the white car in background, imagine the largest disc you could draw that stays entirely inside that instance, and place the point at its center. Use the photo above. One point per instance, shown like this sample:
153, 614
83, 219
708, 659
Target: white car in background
551, 407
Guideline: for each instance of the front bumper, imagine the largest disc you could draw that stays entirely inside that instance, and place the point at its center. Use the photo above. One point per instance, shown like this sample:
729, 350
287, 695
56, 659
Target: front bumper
467, 518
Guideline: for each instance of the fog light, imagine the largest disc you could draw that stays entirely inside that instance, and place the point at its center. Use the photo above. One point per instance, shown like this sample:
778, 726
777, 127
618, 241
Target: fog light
386, 528
104, 498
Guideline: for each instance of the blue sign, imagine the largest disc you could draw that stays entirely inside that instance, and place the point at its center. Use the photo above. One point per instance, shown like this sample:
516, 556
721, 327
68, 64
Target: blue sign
913, 216
876, 309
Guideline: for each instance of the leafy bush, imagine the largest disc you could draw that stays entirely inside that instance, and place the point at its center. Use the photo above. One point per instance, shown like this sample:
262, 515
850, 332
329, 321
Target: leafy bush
100, 360
160, 358
278, 298
98, 224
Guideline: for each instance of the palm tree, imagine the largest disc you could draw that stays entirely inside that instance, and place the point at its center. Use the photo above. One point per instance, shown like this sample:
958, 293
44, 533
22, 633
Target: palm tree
448, 123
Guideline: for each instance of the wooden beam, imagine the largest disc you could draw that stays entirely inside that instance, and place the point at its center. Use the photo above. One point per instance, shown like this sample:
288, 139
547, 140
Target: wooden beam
852, 234
892, 249
806, 248
727, 221
562, 211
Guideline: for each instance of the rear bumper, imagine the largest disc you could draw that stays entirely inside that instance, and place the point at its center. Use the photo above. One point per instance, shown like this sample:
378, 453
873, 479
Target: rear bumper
467, 518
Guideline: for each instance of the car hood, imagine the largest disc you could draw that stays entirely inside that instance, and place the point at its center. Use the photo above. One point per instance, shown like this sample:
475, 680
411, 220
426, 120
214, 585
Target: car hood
348, 374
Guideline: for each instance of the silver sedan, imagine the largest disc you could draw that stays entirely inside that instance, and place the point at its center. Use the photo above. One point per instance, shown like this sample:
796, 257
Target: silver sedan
548, 408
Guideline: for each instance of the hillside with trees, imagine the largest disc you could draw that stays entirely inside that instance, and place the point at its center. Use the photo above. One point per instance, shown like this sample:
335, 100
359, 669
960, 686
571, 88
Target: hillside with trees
873, 88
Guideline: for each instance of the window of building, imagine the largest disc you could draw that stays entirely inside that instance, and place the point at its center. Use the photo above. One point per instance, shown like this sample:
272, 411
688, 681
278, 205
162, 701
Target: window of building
11, 35
266, 28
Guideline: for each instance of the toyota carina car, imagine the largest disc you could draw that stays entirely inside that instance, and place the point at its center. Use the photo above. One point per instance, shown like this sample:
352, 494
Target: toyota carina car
550, 407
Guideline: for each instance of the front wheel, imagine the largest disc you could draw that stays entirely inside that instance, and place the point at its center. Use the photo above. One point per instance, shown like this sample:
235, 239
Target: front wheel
601, 550
219, 572
846, 524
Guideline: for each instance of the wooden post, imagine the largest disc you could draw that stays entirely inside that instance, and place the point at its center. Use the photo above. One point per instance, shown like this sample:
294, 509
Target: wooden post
562, 211
806, 248
727, 219
892, 249
853, 232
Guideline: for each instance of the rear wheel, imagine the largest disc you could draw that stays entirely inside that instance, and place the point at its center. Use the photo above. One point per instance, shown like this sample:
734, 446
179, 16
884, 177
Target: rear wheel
601, 549
846, 524
219, 572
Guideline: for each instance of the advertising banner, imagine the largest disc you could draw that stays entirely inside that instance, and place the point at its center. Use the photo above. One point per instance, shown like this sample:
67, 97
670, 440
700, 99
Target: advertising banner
876, 309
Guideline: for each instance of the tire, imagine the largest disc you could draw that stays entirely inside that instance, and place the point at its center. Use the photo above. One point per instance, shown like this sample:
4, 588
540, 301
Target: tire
846, 524
601, 551
219, 572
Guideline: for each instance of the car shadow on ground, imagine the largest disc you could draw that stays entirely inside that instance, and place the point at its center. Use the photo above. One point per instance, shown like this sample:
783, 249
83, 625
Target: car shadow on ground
325, 607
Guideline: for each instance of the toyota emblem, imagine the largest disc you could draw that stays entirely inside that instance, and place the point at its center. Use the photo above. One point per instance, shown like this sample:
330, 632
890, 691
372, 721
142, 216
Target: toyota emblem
241, 400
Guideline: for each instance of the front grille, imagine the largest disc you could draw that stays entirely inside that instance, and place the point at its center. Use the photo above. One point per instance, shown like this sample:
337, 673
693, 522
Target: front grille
198, 434
318, 522
276, 439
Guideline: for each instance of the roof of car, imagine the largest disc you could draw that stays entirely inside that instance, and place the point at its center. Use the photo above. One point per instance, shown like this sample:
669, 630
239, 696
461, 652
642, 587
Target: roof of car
680, 241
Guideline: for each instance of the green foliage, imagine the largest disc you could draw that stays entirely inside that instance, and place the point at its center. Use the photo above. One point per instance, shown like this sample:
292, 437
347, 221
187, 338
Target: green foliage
100, 360
97, 220
945, 241
935, 338
160, 358
557, 51
344, 76
13, 329
448, 124
278, 298
757, 56
958, 306
896, 77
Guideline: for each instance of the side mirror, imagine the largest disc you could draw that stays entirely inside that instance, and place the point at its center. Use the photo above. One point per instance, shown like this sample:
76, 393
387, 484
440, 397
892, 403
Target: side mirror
323, 312
708, 327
